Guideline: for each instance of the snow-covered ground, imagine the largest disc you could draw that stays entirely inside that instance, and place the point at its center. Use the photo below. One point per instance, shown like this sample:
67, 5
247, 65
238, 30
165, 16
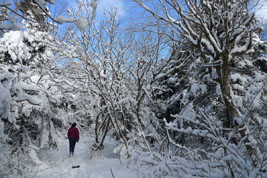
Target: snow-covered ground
58, 164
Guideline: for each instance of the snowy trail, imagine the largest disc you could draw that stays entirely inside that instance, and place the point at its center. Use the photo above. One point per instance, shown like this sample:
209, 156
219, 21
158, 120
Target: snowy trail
58, 164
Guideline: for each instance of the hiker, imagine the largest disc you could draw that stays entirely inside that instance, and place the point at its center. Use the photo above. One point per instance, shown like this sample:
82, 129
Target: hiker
73, 136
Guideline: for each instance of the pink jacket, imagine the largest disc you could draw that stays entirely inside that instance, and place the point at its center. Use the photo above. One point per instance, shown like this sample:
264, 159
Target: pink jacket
73, 132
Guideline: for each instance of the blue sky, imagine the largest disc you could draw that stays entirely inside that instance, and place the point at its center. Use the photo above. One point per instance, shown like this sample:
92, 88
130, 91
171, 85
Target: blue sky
103, 5
261, 12
127, 8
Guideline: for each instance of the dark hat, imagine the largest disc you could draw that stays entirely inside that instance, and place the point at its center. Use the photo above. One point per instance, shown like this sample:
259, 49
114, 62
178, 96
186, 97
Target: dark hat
73, 125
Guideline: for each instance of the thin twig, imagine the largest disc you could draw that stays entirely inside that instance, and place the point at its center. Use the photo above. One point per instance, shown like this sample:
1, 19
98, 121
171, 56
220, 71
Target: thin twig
17, 13
52, 18
112, 173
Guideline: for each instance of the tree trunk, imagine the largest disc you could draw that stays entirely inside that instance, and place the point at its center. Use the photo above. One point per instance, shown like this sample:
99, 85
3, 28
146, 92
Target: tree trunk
105, 133
229, 104
224, 81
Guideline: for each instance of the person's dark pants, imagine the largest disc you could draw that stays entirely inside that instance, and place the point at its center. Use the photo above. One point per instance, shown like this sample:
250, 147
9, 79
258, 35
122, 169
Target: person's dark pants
72, 142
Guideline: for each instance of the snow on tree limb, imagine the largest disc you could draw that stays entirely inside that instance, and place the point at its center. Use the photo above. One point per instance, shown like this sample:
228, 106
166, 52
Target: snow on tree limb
11, 26
60, 19
41, 4
7, 3
81, 24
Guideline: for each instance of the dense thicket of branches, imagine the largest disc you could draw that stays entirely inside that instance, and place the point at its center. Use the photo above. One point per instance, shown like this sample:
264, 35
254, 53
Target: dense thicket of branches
184, 97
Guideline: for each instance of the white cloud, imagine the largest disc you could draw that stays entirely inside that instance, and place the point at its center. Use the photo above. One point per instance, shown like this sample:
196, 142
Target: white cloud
107, 5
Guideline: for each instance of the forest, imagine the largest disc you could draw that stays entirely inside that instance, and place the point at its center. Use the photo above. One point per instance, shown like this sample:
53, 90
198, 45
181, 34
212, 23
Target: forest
168, 88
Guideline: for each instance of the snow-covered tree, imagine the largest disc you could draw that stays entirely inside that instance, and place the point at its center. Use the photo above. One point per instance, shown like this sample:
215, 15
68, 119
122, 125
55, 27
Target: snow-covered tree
215, 34
222, 83
185, 97
29, 99
35, 11
116, 73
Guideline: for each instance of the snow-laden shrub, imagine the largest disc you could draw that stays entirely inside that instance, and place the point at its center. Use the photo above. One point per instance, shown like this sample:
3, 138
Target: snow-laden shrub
29, 97
222, 157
